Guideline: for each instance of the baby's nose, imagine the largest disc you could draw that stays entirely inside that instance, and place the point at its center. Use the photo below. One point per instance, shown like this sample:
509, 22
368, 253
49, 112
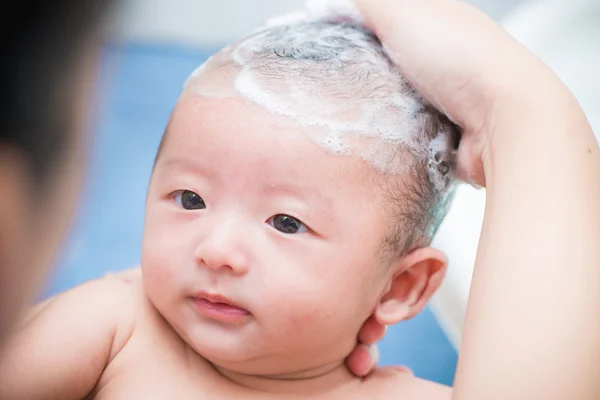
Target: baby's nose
223, 248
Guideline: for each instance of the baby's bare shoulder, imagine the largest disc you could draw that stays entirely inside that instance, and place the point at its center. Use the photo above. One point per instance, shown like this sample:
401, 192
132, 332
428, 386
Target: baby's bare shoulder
65, 343
125, 298
96, 296
107, 295
112, 303
389, 382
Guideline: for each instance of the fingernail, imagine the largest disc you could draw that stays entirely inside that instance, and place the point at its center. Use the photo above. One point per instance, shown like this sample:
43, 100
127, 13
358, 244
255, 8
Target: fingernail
374, 351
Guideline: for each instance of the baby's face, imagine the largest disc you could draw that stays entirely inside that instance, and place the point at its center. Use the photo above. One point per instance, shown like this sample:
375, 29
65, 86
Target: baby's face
262, 250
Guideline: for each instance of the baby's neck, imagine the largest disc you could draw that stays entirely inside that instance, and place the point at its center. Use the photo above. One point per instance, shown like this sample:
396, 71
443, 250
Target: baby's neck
317, 380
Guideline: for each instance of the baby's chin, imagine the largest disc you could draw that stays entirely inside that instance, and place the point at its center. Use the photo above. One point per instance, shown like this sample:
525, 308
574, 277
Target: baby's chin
234, 354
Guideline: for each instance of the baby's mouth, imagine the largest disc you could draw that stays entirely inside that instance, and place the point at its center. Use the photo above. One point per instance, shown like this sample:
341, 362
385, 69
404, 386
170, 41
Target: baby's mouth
219, 308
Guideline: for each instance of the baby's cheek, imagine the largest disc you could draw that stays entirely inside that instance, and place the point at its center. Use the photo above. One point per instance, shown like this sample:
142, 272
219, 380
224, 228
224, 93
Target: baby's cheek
304, 316
329, 295
323, 332
313, 317
162, 248
162, 267
154, 261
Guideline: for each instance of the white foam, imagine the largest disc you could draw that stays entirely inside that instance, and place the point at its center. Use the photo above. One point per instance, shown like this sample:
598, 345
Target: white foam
372, 124
438, 149
333, 8
438, 144
335, 128
197, 73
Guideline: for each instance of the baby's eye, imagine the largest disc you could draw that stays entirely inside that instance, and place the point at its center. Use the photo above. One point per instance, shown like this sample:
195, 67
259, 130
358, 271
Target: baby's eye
189, 200
286, 224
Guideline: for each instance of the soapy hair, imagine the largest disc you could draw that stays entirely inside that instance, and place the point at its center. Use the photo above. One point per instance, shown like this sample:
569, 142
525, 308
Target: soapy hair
335, 77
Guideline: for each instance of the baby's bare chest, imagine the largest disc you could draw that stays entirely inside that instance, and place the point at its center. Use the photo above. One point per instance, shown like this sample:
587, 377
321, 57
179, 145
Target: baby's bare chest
152, 376
159, 383
155, 364
150, 381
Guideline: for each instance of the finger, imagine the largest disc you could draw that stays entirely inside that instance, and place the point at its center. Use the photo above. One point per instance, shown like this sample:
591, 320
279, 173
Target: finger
372, 331
417, 34
363, 360
469, 161
398, 23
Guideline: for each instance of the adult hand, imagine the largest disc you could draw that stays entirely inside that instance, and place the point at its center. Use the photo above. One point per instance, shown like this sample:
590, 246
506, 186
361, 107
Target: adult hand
527, 140
460, 60
468, 67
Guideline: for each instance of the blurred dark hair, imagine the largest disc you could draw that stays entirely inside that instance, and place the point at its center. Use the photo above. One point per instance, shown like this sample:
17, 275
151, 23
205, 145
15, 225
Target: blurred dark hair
42, 46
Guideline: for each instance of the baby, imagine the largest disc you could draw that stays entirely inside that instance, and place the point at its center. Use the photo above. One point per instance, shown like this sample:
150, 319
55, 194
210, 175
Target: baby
295, 193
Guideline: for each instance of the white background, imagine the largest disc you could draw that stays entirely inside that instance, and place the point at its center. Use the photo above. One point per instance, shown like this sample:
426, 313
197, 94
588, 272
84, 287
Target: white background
203, 22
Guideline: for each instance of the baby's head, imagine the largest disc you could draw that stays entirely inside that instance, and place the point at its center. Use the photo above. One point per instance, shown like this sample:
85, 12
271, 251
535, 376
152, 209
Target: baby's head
298, 185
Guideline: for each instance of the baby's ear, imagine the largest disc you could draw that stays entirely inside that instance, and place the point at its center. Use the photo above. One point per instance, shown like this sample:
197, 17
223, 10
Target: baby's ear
417, 276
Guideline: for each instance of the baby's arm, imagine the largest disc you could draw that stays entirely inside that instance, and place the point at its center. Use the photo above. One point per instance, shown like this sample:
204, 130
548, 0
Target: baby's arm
62, 349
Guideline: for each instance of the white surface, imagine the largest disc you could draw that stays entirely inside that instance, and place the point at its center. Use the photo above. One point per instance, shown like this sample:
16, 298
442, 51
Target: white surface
204, 22
196, 22
566, 36
458, 237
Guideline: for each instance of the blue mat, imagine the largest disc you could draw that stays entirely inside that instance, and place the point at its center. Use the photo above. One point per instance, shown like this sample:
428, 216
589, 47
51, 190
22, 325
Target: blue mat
139, 86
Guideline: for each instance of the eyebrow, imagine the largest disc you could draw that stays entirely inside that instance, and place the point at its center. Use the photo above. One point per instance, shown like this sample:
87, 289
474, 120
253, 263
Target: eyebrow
286, 189
183, 165
298, 192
